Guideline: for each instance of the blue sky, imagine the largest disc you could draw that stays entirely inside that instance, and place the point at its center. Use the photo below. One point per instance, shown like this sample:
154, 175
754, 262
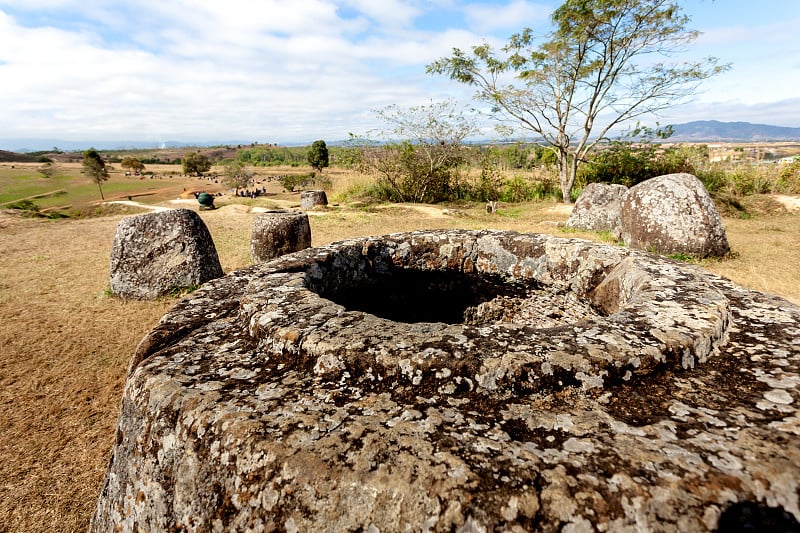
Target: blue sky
298, 70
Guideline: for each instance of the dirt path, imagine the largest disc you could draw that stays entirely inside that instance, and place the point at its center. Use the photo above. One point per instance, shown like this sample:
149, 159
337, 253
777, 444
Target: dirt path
792, 203
429, 211
139, 204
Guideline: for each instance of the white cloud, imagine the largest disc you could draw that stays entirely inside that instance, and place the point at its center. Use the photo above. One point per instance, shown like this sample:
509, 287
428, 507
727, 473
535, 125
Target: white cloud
488, 18
285, 73
277, 70
779, 32
388, 13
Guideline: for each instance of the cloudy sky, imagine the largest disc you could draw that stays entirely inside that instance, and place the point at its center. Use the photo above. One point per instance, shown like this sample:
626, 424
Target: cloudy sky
297, 70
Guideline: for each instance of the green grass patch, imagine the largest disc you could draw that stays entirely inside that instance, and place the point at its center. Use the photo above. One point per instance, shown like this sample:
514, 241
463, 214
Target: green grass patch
684, 258
511, 212
182, 291
15, 186
609, 237
70, 190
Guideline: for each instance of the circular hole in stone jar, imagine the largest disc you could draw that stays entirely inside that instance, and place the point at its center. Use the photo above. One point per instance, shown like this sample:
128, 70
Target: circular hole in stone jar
409, 296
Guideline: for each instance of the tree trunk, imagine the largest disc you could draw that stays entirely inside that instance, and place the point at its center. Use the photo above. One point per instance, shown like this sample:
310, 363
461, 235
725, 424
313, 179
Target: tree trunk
567, 172
564, 174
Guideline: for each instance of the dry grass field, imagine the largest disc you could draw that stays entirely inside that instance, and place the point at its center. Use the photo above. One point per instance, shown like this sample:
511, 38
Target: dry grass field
66, 343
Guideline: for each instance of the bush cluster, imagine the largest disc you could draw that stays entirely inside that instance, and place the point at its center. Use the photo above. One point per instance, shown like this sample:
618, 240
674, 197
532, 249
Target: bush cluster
629, 164
302, 181
519, 172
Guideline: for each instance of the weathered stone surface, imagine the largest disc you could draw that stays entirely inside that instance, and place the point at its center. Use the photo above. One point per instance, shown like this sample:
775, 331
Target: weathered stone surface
460, 381
313, 199
277, 233
598, 208
156, 253
672, 214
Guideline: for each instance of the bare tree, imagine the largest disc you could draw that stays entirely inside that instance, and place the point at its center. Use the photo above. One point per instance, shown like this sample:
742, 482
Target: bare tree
420, 162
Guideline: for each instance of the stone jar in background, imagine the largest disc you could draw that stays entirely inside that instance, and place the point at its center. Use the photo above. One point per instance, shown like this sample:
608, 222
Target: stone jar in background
313, 199
672, 214
157, 253
280, 232
598, 208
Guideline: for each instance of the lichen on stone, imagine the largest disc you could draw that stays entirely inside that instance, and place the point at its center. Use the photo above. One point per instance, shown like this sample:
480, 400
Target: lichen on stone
459, 380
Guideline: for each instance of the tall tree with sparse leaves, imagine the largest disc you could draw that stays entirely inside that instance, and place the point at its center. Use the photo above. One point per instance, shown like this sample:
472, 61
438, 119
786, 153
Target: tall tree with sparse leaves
95, 168
603, 63
318, 155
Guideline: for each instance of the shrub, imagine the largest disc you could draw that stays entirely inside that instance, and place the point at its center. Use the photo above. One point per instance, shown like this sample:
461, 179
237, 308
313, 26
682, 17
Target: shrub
714, 179
519, 189
416, 173
292, 181
789, 178
628, 164
28, 206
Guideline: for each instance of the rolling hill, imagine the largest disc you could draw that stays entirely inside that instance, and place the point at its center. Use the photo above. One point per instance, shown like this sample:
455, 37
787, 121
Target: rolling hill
13, 157
713, 130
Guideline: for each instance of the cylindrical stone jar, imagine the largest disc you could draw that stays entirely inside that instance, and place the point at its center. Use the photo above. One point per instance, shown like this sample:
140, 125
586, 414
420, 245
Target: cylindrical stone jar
280, 232
313, 199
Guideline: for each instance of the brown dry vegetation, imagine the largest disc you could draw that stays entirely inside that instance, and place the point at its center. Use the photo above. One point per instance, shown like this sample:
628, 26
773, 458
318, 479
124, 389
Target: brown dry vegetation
66, 343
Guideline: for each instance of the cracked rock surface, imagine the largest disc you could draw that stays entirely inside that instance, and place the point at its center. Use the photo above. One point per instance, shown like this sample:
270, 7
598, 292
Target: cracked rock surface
459, 381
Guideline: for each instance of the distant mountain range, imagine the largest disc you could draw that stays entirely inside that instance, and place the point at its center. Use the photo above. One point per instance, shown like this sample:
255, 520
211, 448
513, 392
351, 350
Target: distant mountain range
697, 131
713, 130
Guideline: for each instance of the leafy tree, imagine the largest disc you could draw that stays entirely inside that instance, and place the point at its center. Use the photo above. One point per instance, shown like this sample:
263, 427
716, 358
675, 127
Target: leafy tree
423, 167
132, 163
195, 163
48, 169
236, 175
603, 63
318, 156
95, 168
290, 182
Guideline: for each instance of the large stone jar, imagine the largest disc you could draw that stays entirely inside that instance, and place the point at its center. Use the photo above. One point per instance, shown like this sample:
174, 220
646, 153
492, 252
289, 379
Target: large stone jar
460, 381
672, 214
158, 253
